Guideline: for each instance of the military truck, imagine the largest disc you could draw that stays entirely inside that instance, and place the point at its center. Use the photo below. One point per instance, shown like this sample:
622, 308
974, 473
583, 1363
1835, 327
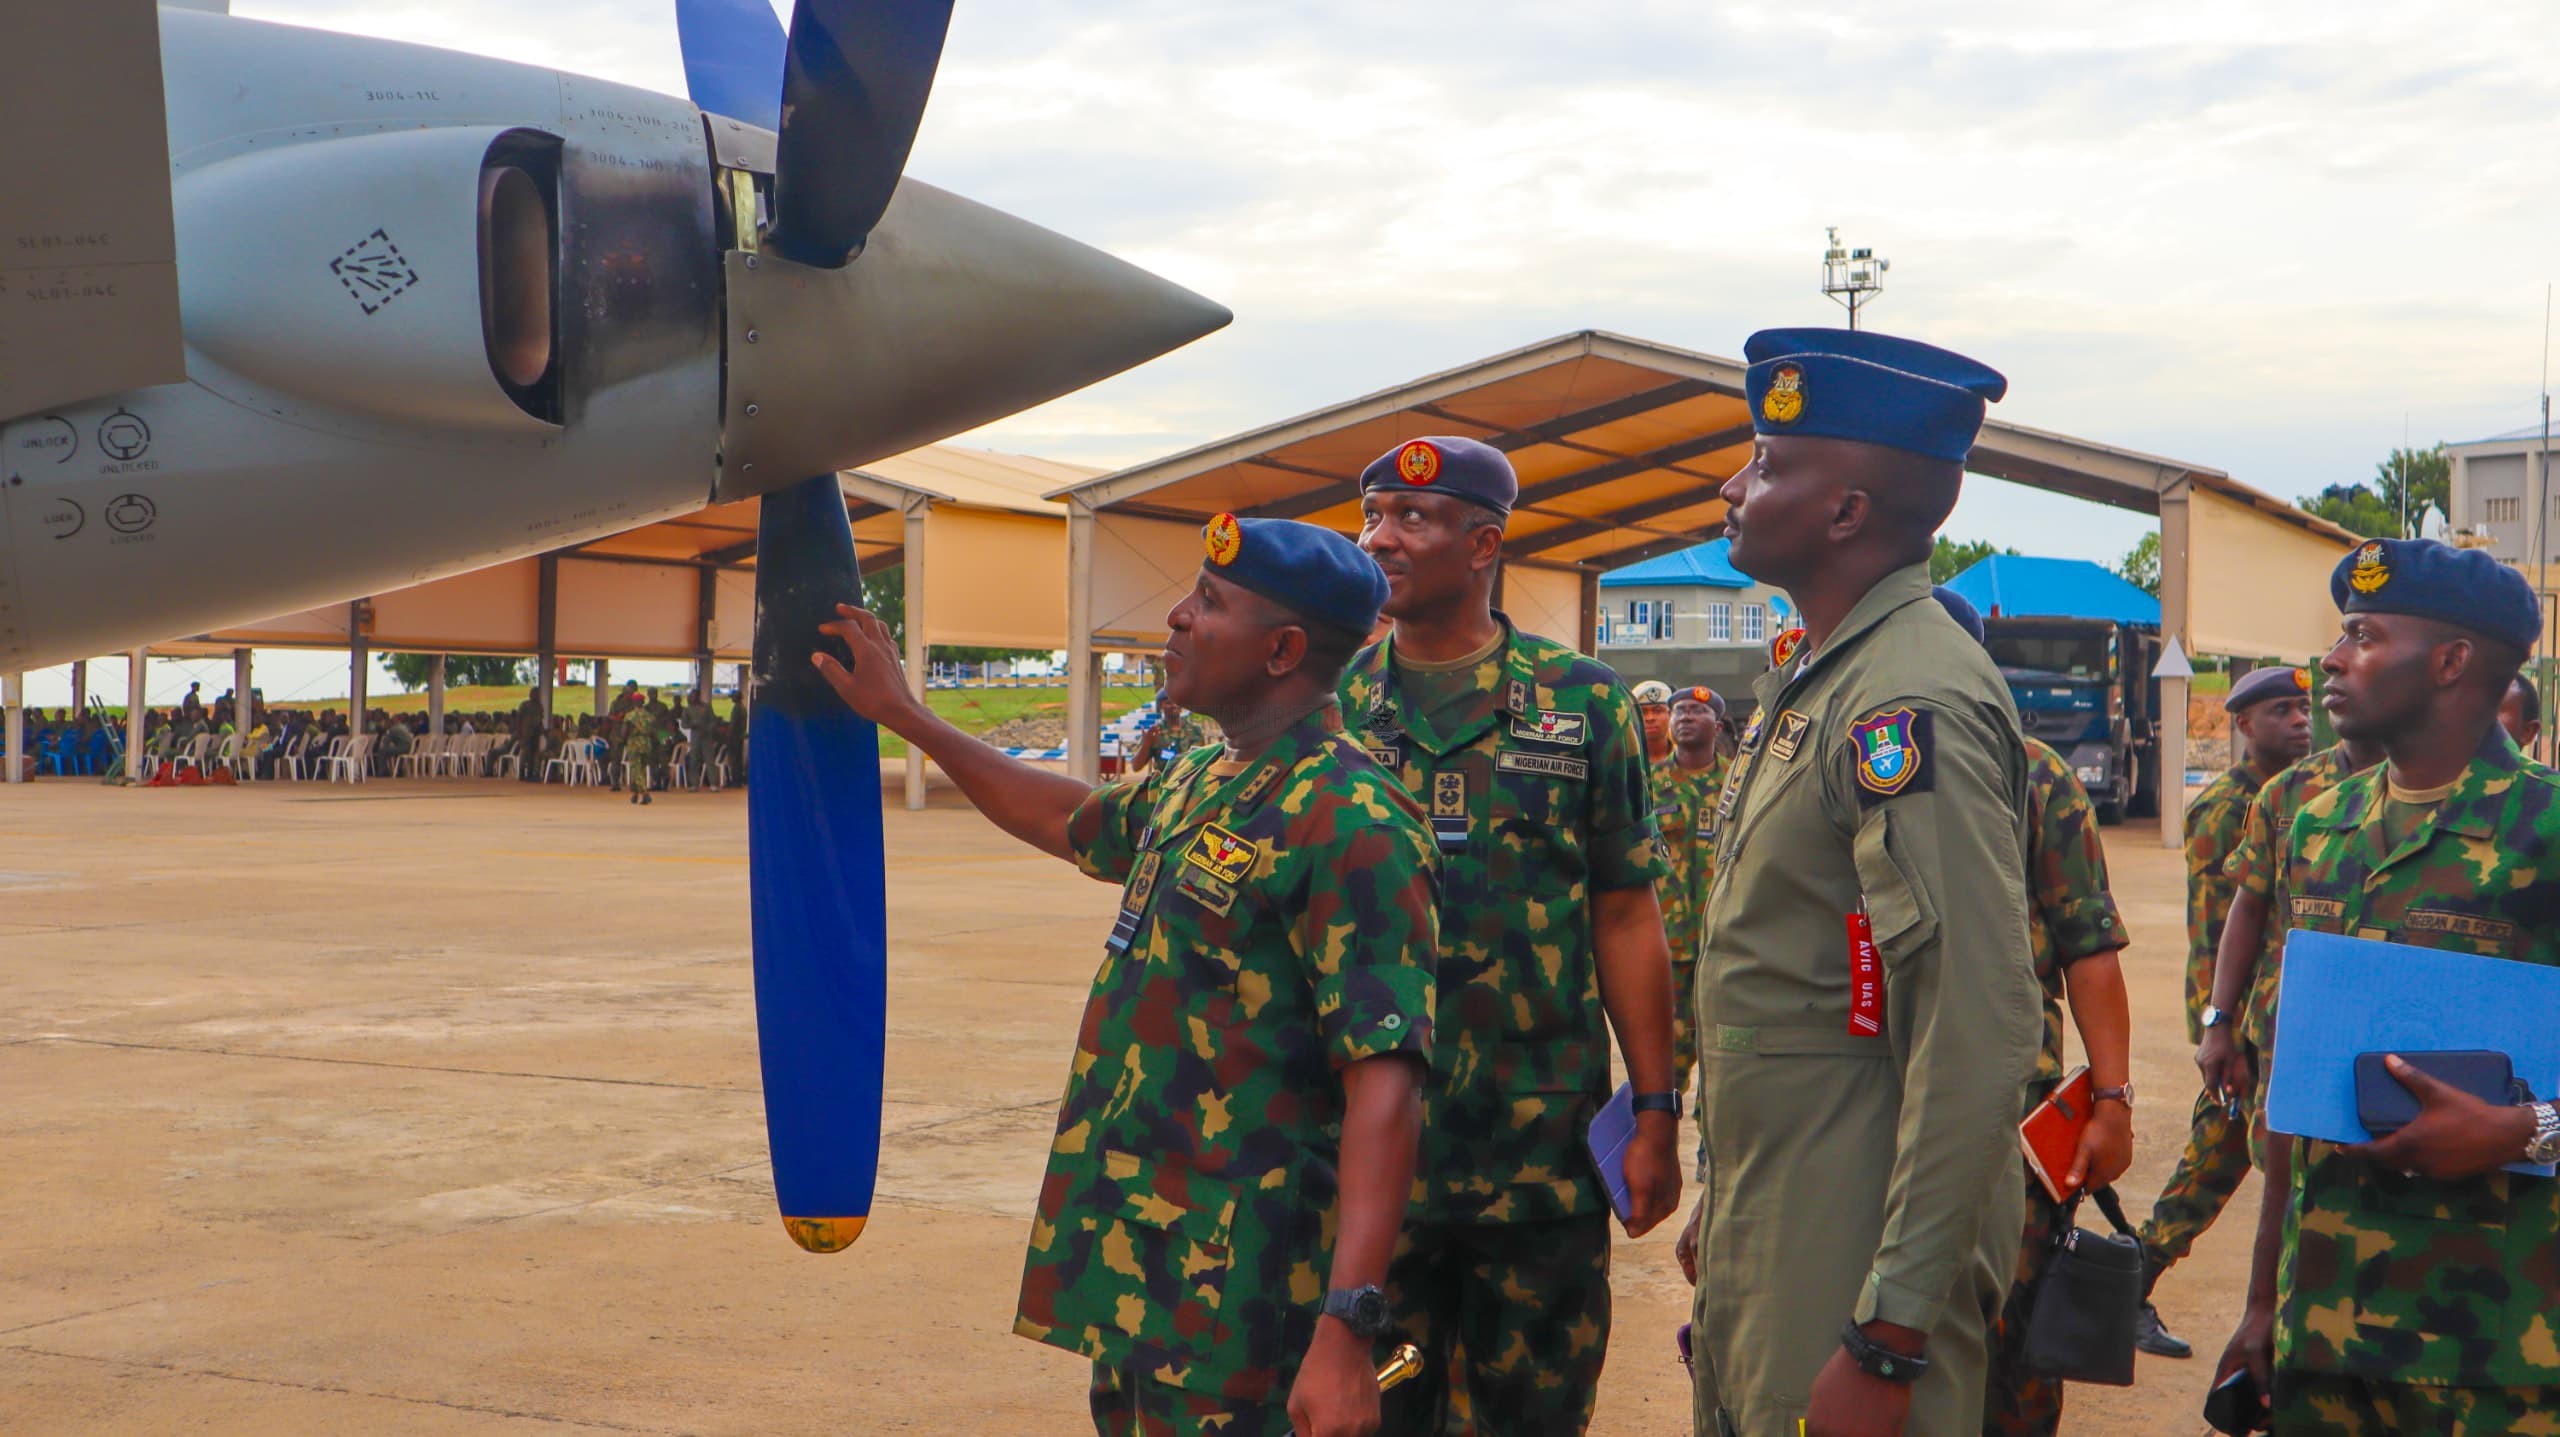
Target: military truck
2084, 686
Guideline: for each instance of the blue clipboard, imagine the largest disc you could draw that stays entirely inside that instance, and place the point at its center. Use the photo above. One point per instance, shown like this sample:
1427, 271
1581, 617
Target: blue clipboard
2343, 996
1607, 1137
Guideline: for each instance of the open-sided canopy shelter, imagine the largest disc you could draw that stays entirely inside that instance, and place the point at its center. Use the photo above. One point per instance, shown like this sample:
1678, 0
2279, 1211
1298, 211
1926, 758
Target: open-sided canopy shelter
985, 558
1622, 445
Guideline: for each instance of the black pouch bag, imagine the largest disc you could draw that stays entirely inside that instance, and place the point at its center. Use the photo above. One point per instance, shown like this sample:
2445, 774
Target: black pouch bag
2082, 1315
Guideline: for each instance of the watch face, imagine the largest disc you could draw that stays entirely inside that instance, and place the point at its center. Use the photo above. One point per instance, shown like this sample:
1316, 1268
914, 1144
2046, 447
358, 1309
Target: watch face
1369, 1312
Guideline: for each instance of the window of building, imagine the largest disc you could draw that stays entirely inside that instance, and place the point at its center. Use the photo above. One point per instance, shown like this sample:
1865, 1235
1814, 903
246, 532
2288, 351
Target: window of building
2504, 511
1662, 625
1719, 623
1755, 625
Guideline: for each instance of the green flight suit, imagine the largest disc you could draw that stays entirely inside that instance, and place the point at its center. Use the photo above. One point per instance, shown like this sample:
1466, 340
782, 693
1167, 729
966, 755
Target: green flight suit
2407, 1304
1277, 924
1532, 773
1856, 1176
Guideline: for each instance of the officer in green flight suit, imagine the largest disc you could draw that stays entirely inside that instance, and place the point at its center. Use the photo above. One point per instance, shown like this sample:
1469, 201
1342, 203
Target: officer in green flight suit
1236, 1145
1868, 1017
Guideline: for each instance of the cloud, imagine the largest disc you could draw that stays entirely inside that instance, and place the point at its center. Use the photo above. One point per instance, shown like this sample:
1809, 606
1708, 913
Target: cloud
2251, 236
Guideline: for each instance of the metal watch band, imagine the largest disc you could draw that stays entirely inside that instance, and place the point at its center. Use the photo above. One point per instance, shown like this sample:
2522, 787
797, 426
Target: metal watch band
1658, 1103
1878, 1361
2544, 1145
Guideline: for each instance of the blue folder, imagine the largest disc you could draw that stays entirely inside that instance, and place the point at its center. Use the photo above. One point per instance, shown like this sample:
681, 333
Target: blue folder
1607, 1138
2344, 996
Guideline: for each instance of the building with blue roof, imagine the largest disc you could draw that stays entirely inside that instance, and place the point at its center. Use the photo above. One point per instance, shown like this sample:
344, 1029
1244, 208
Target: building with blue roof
1690, 617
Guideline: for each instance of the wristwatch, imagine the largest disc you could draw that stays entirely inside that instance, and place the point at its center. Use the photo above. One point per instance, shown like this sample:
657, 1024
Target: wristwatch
1878, 1361
2214, 1017
1362, 1309
2122, 1095
1658, 1103
2544, 1145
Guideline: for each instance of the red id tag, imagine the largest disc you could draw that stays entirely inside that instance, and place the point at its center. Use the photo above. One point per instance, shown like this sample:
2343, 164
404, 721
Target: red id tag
1866, 979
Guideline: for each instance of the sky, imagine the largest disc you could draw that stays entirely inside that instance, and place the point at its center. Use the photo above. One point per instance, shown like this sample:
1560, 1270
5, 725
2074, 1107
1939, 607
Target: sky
2274, 239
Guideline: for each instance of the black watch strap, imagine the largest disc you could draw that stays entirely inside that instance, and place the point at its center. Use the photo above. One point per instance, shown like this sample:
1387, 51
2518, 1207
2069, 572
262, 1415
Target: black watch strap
1658, 1103
1878, 1361
1362, 1309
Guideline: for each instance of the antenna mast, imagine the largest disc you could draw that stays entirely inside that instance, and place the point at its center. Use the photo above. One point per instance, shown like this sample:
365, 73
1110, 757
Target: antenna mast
1854, 277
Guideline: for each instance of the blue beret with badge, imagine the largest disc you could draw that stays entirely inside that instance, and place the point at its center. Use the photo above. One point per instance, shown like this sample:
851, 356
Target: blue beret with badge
1468, 469
1312, 572
2259, 685
2430, 579
1871, 388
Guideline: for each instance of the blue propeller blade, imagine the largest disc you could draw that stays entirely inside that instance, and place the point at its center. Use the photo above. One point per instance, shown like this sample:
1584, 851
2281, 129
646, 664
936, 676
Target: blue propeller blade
733, 58
853, 93
815, 877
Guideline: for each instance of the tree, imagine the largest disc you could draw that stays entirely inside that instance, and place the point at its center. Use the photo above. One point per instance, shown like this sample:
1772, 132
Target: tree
885, 595
460, 670
2356, 509
1948, 558
2141, 565
2411, 482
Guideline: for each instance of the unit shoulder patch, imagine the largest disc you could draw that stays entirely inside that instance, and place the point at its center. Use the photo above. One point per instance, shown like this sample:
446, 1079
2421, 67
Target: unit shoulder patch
1893, 750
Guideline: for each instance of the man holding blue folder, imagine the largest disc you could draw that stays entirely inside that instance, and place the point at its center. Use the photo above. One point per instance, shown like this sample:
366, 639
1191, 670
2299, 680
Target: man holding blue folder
2420, 1282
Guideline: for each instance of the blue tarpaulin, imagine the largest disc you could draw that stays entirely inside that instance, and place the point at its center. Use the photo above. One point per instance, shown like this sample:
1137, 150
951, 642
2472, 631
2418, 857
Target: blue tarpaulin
2016, 586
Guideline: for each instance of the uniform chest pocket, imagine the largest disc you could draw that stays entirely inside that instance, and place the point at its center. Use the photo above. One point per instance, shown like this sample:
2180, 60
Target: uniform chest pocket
1537, 788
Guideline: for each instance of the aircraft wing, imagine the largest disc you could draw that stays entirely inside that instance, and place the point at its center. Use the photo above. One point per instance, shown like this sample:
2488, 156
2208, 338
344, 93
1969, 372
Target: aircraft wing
88, 252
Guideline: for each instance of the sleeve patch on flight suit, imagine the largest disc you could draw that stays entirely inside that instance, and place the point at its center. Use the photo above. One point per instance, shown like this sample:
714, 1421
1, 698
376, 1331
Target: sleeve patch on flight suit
1552, 765
1893, 754
1790, 736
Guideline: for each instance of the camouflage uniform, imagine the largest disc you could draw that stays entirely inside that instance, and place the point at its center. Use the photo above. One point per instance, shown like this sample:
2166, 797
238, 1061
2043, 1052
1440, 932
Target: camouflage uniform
1536, 793
2406, 1304
1277, 924
1164, 743
2223, 1146
2071, 915
1858, 1175
1684, 812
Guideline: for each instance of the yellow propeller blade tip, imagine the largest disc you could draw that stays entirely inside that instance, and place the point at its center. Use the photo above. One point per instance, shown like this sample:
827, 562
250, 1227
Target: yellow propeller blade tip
824, 1234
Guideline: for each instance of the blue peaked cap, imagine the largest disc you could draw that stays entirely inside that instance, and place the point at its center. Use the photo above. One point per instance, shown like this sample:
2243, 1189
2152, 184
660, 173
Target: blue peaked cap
2434, 580
1312, 572
1868, 387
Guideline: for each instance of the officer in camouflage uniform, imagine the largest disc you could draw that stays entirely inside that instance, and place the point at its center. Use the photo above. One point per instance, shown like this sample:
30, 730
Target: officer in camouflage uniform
1176, 733
1239, 1128
2270, 713
2420, 1284
1867, 1012
1526, 758
1685, 790
2520, 714
2075, 933
1653, 712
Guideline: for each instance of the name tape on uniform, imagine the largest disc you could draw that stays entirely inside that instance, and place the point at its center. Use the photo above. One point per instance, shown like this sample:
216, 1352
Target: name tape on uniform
1552, 765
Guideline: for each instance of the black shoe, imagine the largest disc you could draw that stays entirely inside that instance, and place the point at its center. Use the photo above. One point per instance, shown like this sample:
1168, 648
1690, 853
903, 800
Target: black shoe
2159, 1341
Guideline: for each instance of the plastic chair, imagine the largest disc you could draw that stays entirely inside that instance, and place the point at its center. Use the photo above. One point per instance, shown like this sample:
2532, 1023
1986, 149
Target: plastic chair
348, 759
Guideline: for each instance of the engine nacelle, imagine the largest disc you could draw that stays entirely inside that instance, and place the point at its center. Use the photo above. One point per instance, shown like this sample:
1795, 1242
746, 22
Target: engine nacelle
410, 276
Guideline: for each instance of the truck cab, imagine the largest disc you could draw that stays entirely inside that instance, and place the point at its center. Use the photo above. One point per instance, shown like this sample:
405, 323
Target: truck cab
2084, 687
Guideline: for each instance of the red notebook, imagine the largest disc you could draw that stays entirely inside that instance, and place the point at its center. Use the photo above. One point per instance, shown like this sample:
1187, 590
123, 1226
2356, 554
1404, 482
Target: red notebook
2050, 1136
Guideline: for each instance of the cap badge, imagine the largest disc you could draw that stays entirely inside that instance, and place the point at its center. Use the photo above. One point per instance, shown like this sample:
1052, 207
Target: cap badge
1224, 539
2302, 680
2369, 573
1418, 462
1784, 403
